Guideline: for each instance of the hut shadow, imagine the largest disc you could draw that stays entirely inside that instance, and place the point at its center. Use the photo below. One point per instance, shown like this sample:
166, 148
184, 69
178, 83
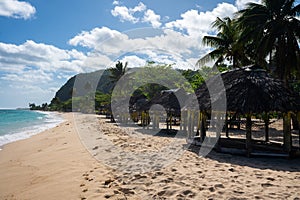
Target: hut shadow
275, 135
169, 133
263, 163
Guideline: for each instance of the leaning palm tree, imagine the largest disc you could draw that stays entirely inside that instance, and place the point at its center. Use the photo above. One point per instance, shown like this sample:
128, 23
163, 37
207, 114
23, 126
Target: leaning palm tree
273, 30
225, 44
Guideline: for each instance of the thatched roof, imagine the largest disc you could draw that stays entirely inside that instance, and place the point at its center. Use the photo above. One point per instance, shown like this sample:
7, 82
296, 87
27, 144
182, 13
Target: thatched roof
248, 90
168, 99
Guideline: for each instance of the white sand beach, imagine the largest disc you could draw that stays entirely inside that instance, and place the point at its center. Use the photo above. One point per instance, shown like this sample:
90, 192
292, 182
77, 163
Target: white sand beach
56, 165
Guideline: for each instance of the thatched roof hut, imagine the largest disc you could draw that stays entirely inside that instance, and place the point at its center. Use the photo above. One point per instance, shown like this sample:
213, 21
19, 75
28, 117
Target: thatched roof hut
169, 100
248, 90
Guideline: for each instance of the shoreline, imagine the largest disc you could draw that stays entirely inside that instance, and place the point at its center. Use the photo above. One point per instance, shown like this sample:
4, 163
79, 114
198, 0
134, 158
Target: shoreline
38, 167
53, 119
56, 165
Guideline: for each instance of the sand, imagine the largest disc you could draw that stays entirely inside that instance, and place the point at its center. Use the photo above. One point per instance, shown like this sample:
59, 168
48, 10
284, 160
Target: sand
60, 164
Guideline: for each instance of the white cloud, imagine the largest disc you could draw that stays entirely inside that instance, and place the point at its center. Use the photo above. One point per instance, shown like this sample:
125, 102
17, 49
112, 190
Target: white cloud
139, 8
95, 37
167, 46
139, 13
127, 14
28, 76
96, 61
38, 55
199, 23
241, 4
32, 68
32, 65
116, 2
113, 43
133, 61
16, 9
152, 18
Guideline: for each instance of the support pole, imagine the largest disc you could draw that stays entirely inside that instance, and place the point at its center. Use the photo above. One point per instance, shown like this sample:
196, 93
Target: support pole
287, 136
248, 134
266, 121
239, 122
298, 118
171, 118
203, 126
188, 123
198, 122
226, 125
218, 130
192, 122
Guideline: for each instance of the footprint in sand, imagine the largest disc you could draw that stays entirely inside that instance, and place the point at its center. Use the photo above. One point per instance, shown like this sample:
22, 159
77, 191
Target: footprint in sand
82, 184
266, 185
270, 179
85, 190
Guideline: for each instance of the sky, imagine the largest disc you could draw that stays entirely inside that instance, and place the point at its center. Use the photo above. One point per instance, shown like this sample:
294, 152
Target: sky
44, 43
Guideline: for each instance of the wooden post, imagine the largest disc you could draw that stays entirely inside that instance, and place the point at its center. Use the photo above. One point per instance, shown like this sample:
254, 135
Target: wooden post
287, 136
148, 119
298, 118
171, 120
218, 129
266, 120
192, 122
203, 127
181, 120
185, 119
226, 125
198, 122
239, 122
153, 120
157, 121
248, 133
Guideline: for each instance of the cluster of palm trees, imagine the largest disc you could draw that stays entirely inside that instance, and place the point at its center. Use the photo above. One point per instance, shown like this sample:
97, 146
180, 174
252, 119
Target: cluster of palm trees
265, 34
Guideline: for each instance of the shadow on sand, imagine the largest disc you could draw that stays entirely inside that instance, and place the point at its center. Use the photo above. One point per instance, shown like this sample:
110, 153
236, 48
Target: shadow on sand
272, 163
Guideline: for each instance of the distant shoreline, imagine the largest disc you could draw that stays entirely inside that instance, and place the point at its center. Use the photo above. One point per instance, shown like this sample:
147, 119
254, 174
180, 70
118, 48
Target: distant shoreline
50, 120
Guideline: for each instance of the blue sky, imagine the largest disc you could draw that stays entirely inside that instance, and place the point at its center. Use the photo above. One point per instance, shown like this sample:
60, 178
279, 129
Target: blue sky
43, 43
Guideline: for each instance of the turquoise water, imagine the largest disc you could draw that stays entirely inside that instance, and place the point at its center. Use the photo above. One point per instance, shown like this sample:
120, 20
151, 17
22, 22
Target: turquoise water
20, 124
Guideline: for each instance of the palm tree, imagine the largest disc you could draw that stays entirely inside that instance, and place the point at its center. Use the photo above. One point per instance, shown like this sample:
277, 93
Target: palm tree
225, 44
273, 30
117, 72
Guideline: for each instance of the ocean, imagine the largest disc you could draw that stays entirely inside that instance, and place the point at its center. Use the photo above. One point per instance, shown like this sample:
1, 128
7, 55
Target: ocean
21, 124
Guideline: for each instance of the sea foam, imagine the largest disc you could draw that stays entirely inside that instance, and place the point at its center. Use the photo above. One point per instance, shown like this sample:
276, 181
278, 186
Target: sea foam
19, 130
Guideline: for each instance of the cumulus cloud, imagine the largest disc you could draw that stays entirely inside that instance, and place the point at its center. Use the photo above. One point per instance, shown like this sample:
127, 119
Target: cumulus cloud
116, 2
181, 37
41, 66
152, 18
127, 14
198, 23
37, 64
241, 4
117, 43
134, 61
95, 37
38, 55
139, 13
16, 9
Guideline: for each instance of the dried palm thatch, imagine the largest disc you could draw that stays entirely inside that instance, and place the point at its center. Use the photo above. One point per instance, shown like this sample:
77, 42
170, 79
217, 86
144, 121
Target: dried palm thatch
172, 100
248, 90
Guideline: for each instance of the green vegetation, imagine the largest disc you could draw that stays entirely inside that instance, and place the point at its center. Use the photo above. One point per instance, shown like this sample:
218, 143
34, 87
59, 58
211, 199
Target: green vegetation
43, 107
272, 30
226, 44
152, 74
